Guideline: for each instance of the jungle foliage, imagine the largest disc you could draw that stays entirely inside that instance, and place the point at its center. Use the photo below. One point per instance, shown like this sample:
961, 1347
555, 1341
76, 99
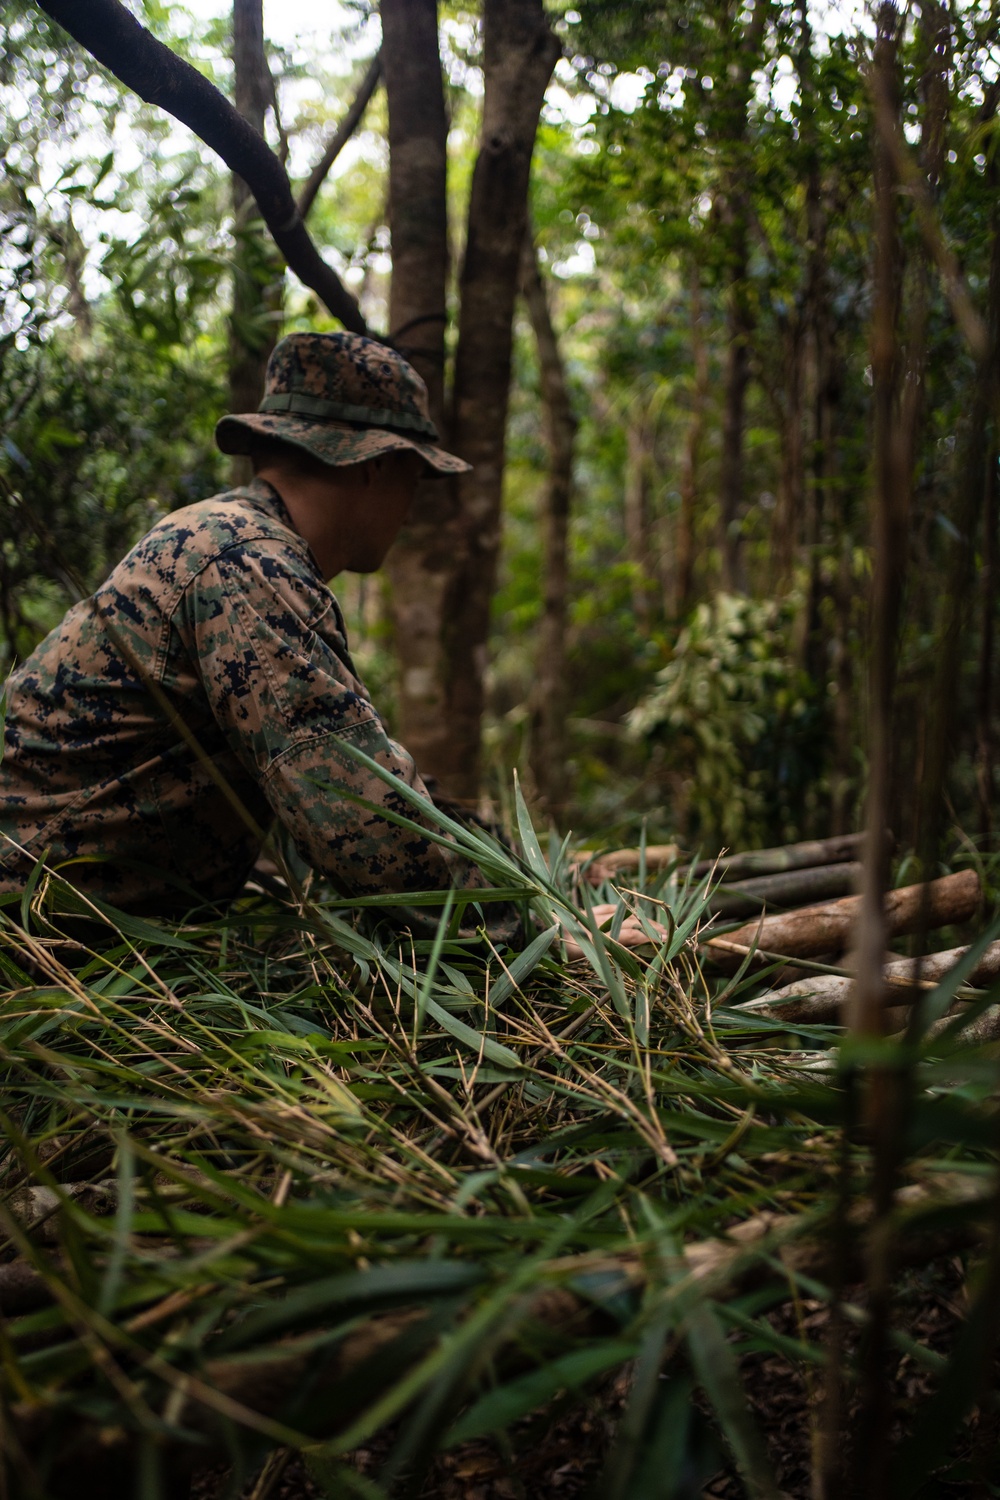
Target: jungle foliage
275, 1184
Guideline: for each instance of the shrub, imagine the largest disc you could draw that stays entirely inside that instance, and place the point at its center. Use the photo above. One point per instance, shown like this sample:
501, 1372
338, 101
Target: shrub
735, 721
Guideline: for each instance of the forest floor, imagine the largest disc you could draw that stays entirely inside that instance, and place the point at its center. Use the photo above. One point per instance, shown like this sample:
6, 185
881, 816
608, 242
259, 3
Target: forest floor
560, 1451
253, 1134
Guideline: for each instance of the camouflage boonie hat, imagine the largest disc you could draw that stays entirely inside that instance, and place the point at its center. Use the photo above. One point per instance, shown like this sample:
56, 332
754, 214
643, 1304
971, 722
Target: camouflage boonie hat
343, 398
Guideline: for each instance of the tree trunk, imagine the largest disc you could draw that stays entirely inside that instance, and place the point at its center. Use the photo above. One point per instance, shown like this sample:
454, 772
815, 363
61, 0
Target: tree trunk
732, 129
739, 326
821, 393
897, 375
976, 484
789, 516
985, 738
684, 556
636, 515
444, 579
420, 564
257, 273
418, 207
891, 512
844, 743
933, 38
559, 423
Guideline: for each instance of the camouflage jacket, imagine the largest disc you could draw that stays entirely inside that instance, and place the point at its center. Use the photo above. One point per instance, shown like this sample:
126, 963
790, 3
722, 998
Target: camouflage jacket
205, 689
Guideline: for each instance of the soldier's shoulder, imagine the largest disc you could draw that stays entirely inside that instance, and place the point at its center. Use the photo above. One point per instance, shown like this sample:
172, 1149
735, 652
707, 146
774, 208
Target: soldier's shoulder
186, 541
209, 527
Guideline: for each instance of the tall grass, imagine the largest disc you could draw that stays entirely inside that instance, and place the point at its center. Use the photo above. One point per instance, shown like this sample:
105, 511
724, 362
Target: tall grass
282, 1179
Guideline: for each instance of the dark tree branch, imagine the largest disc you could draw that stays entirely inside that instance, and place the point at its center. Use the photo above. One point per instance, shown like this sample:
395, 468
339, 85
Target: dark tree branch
272, 99
160, 77
340, 137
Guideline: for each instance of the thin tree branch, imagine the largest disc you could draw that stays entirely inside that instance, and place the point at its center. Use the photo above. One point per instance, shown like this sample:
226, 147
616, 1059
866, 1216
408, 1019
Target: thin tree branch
340, 137
272, 98
912, 179
116, 39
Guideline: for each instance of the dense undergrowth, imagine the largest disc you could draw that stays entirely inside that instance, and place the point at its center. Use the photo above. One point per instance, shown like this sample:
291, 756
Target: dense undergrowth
280, 1179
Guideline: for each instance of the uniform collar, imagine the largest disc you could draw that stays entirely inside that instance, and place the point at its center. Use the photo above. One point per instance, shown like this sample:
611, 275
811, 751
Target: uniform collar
266, 498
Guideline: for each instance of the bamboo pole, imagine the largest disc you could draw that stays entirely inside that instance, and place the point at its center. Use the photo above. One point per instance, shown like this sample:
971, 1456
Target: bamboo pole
790, 888
821, 998
751, 863
829, 927
800, 856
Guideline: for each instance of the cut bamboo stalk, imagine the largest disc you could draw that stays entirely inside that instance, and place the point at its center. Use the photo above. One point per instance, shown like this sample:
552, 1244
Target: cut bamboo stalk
788, 888
620, 861
985, 1027
820, 998
751, 863
22, 1289
827, 928
802, 856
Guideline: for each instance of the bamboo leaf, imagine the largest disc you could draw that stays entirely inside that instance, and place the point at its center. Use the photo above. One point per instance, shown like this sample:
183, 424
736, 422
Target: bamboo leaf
115, 1268
529, 841
375, 1289
717, 1372
428, 981
507, 1403
477, 1042
680, 1453
521, 967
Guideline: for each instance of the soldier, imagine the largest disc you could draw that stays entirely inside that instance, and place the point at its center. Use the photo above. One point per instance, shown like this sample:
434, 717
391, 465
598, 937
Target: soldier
206, 688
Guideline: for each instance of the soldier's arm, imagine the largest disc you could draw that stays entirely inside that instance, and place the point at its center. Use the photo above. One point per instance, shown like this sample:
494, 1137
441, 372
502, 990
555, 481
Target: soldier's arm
268, 642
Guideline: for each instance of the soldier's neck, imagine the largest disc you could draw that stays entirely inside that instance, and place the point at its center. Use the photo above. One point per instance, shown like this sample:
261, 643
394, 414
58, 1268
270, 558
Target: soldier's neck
317, 505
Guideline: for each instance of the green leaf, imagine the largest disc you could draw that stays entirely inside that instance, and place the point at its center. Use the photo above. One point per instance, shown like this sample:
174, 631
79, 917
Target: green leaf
355, 1292
718, 1374
536, 860
114, 1271
507, 1403
618, 1479
476, 1041
521, 967
428, 982
341, 1481
680, 1453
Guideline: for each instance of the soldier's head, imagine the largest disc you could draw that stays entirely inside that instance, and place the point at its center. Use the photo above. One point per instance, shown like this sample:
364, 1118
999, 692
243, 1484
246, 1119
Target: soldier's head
342, 400
351, 514
343, 433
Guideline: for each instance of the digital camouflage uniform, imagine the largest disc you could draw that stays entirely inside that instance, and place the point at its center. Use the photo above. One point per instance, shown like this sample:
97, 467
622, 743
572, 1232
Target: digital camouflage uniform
206, 689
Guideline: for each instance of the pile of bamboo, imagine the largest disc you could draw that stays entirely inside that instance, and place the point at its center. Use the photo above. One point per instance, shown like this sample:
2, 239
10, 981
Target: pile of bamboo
802, 907
815, 870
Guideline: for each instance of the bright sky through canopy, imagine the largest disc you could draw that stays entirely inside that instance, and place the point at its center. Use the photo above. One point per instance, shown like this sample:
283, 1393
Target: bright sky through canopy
285, 24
